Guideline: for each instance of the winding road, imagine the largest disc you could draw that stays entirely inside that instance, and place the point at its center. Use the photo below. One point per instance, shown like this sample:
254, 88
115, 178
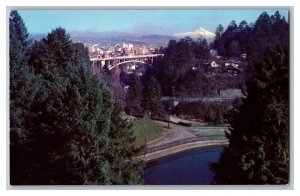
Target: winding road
176, 132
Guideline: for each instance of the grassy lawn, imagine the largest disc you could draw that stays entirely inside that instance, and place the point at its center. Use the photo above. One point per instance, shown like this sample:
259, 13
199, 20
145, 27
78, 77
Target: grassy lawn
145, 130
211, 134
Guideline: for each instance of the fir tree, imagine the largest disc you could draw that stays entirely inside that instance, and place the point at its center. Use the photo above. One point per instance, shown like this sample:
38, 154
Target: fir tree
210, 115
18, 40
23, 88
151, 98
219, 117
74, 123
134, 97
260, 128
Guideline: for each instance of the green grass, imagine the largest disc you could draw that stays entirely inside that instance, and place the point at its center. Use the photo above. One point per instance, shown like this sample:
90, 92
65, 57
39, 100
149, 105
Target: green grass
211, 134
145, 130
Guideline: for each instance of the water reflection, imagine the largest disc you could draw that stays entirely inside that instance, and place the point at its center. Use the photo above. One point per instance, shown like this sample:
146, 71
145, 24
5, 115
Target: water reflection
186, 168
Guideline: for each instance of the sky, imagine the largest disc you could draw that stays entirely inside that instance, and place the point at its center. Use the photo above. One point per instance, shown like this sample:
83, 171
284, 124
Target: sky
136, 21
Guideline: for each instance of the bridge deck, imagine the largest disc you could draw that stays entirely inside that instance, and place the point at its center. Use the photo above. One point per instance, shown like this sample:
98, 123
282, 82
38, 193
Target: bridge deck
125, 57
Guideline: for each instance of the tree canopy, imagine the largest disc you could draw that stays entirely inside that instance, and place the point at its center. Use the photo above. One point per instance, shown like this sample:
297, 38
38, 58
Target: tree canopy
252, 39
66, 127
259, 134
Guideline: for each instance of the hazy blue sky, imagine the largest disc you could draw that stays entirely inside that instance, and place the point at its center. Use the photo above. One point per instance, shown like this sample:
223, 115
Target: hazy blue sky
142, 21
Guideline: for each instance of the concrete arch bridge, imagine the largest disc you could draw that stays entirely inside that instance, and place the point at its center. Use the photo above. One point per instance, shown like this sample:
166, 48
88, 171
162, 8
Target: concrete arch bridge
97, 63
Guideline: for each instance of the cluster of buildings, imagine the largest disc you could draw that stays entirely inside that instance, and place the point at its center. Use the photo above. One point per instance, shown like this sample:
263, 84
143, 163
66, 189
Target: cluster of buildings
133, 68
123, 49
230, 66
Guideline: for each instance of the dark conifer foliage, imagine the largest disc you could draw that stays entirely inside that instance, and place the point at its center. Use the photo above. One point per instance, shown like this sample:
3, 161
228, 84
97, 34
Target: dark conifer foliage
134, 97
260, 124
151, 99
23, 93
67, 129
18, 39
252, 39
258, 151
179, 58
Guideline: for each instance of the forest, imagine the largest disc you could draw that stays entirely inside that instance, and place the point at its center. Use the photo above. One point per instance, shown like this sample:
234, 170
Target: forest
65, 124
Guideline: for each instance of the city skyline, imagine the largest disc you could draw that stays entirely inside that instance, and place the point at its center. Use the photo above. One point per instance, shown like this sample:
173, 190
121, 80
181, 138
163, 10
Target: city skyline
167, 22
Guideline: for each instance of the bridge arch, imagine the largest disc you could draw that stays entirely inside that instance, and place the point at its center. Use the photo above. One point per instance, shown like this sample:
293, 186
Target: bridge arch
98, 63
129, 61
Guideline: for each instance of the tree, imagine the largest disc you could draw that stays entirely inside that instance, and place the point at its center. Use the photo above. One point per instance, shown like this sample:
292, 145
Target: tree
185, 53
202, 51
219, 120
219, 32
151, 98
18, 40
125, 170
134, 97
234, 48
74, 123
210, 115
259, 134
168, 73
23, 88
161, 50
267, 32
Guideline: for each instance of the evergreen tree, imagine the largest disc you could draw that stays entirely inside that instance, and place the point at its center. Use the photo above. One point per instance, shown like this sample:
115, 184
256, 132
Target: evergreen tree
161, 50
260, 127
134, 97
219, 120
74, 123
23, 88
120, 152
219, 32
202, 51
18, 40
185, 54
168, 72
218, 42
267, 32
210, 115
151, 98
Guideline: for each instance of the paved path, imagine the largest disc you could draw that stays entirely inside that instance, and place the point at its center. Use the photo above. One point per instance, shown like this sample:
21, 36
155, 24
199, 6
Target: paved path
176, 132
180, 148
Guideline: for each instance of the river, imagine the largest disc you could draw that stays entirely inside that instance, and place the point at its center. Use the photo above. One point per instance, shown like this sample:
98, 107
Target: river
185, 168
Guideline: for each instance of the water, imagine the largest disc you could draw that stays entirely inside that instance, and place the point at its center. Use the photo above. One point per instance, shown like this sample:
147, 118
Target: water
185, 168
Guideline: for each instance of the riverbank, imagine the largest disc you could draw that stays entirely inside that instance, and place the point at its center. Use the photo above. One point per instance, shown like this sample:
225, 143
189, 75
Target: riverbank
180, 148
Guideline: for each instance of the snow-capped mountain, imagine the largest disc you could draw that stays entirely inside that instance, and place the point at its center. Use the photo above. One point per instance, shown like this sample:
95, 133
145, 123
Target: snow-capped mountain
201, 32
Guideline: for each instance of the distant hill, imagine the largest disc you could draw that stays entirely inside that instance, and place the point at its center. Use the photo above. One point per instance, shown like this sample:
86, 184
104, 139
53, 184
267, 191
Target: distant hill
114, 37
118, 37
37, 36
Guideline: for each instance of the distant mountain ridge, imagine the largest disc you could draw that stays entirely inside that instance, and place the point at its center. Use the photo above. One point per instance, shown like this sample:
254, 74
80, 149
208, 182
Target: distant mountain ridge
114, 37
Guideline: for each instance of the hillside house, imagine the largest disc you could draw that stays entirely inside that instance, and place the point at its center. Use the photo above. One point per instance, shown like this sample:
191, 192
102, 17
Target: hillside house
214, 64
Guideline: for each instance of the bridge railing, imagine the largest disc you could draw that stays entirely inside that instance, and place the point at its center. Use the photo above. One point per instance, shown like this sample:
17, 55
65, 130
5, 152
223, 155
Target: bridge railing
178, 143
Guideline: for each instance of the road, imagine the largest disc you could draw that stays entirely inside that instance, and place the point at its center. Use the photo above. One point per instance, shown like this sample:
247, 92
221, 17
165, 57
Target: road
176, 132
